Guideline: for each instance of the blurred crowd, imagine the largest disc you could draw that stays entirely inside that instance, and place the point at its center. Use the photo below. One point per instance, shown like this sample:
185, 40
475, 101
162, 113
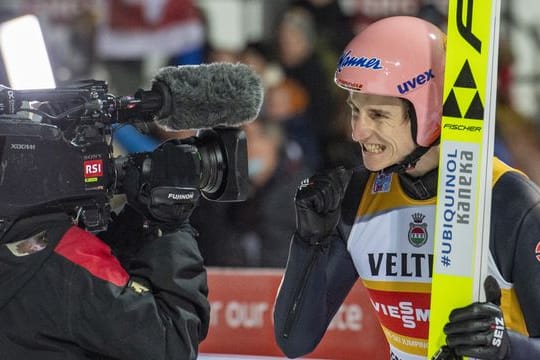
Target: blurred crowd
303, 126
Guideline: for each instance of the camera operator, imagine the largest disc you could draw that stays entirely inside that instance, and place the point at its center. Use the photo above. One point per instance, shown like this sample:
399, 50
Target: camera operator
136, 291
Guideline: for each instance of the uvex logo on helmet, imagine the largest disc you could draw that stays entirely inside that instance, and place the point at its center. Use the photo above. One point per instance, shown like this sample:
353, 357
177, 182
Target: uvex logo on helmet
418, 80
347, 60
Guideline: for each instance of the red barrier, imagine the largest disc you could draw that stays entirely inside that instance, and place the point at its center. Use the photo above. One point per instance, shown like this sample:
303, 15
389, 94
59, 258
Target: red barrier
241, 319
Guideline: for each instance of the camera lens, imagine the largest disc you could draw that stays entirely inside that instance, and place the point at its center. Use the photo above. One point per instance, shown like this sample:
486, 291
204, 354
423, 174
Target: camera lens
213, 162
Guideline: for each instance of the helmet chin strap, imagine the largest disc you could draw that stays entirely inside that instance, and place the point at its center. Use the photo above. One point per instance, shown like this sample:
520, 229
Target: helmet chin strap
408, 163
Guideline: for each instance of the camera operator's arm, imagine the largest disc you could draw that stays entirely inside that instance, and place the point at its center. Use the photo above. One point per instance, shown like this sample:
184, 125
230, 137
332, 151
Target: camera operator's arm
162, 312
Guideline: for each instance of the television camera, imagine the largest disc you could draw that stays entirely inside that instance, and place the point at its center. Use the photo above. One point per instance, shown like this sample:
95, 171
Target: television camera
56, 152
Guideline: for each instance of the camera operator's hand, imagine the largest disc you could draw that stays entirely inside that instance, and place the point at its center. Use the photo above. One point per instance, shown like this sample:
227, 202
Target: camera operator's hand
318, 201
478, 330
153, 203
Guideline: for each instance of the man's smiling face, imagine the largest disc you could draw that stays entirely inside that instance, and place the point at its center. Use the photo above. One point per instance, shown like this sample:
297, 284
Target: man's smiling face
381, 125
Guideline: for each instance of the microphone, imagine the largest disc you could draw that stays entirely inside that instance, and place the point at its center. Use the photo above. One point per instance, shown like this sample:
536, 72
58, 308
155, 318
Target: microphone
202, 96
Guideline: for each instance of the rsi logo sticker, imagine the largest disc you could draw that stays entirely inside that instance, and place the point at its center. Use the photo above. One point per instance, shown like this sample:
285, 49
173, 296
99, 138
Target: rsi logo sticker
93, 168
418, 80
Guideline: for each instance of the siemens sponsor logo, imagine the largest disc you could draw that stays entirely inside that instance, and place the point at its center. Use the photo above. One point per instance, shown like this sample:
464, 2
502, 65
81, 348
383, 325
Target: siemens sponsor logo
418, 80
457, 198
404, 265
405, 311
346, 60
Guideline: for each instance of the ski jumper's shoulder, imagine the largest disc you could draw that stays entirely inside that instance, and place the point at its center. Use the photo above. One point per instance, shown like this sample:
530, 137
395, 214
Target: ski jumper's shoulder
500, 168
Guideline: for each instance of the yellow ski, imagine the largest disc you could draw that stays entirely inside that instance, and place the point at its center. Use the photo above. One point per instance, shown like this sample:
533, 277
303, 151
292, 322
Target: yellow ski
465, 171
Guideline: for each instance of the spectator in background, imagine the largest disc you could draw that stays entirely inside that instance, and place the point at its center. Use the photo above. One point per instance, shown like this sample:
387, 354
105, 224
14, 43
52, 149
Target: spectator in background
296, 43
286, 103
333, 28
258, 56
504, 81
523, 154
254, 233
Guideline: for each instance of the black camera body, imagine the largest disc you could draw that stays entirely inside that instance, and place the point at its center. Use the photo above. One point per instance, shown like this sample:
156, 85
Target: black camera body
65, 159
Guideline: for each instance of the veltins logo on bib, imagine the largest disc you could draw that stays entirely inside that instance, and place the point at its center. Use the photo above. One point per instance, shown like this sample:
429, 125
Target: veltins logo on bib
417, 230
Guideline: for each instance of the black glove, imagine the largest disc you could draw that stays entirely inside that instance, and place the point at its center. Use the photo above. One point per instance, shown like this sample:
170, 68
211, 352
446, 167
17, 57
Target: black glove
151, 200
318, 201
478, 330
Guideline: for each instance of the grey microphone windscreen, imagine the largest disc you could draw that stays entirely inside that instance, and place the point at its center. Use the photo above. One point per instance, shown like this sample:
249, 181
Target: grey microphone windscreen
209, 95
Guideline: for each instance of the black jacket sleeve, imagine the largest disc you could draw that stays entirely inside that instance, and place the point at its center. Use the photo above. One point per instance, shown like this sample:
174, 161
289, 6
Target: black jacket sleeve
315, 283
165, 318
523, 347
515, 227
